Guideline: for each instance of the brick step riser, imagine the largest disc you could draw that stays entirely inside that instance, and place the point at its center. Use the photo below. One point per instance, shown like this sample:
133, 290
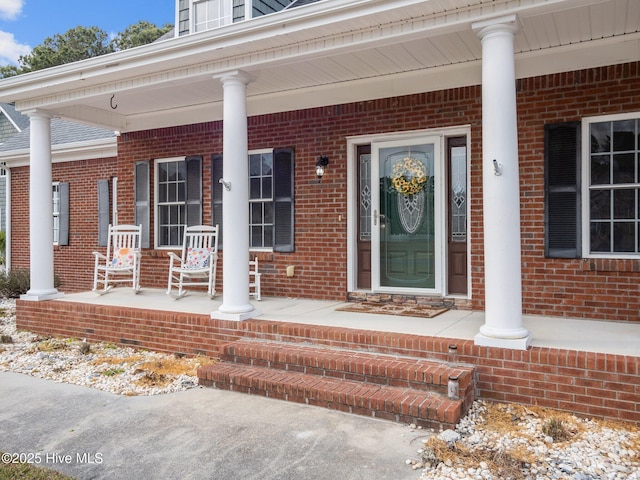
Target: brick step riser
420, 384
404, 406
429, 377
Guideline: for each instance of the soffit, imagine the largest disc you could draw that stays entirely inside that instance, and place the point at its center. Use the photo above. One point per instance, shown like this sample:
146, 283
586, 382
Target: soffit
333, 51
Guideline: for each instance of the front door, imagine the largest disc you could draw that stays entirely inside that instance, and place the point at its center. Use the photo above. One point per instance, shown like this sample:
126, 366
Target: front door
406, 219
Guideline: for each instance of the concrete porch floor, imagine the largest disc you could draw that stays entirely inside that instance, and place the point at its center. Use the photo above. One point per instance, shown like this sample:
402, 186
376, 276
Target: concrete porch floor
554, 332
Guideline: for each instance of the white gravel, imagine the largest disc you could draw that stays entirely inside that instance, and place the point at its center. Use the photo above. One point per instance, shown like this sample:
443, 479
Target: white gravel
120, 370
475, 450
594, 450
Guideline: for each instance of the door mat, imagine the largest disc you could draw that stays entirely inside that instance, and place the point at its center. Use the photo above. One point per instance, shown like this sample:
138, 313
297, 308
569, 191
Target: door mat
423, 311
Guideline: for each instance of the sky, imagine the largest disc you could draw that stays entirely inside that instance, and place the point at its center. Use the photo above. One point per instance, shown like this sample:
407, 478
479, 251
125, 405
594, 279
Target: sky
25, 24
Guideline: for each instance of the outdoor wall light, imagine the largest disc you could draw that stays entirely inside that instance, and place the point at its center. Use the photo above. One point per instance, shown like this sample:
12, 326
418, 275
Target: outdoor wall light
320, 166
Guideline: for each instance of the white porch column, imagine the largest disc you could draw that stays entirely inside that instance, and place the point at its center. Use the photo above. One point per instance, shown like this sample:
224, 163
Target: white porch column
501, 190
235, 201
40, 210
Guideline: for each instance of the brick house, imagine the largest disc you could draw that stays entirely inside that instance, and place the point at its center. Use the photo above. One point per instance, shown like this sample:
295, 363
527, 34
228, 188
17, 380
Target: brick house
523, 117
76, 149
520, 213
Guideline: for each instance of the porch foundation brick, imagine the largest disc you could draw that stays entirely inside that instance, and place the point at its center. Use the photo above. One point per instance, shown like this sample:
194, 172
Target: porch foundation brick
585, 383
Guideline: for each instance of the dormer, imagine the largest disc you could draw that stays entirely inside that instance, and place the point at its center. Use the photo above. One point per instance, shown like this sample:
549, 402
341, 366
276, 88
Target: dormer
199, 15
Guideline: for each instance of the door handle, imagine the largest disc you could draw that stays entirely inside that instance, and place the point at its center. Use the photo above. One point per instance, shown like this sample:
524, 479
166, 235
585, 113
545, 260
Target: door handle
378, 217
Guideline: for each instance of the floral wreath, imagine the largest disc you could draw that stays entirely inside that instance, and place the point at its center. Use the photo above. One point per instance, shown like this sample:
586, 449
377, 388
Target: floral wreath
409, 176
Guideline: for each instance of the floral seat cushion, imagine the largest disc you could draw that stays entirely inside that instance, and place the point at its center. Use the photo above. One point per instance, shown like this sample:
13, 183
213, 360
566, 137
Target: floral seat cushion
123, 258
197, 258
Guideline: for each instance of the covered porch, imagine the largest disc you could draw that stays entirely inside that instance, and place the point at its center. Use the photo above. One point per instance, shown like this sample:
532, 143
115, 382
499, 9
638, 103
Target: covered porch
310, 59
587, 367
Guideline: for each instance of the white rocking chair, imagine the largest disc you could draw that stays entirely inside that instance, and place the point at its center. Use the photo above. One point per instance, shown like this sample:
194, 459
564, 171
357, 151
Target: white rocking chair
254, 280
198, 263
121, 264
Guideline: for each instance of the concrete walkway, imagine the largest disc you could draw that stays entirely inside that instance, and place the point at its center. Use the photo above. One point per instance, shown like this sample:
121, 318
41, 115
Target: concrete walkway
197, 434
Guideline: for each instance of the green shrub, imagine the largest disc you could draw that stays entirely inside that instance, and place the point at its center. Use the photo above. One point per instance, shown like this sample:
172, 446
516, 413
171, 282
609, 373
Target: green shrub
16, 282
3, 245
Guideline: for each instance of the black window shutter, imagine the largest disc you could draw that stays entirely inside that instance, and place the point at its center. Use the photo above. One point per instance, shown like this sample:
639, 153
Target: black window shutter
283, 170
562, 190
194, 190
103, 212
63, 214
141, 196
216, 195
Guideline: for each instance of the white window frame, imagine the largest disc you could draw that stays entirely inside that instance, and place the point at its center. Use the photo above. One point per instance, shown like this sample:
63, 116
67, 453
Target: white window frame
247, 8
55, 198
224, 14
261, 200
586, 185
157, 205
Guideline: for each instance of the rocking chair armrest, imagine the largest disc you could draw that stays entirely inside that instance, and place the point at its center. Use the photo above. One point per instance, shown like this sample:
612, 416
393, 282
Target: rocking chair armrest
99, 255
173, 256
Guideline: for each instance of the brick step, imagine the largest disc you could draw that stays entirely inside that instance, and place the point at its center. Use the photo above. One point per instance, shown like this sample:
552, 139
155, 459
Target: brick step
403, 389
390, 370
407, 405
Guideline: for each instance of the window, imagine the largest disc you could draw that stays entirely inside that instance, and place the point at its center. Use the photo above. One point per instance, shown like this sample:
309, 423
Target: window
60, 198
178, 197
271, 202
261, 200
201, 15
614, 186
366, 207
592, 187
209, 14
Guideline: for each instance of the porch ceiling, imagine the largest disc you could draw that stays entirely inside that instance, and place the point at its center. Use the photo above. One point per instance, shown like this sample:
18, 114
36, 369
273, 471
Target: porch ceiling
329, 52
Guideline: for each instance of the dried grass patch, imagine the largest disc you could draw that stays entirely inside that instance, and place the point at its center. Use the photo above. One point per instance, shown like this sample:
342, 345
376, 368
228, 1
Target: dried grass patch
503, 464
116, 360
158, 373
52, 344
633, 443
618, 425
174, 366
526, 425
505, 418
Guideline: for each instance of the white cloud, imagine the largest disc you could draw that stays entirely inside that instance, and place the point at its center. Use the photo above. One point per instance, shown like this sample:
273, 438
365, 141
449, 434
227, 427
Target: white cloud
10, 50
10, 9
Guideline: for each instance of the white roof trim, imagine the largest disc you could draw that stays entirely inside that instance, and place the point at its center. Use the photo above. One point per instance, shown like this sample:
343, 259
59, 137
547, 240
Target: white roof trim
68, 152
10, 119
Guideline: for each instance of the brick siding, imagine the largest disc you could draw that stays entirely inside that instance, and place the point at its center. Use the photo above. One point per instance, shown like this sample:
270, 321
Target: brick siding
73, 263
576, 288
